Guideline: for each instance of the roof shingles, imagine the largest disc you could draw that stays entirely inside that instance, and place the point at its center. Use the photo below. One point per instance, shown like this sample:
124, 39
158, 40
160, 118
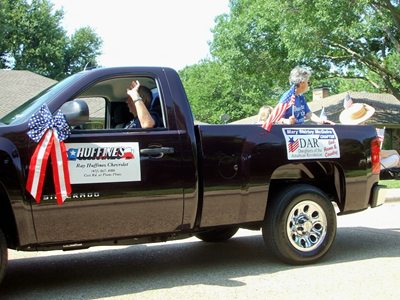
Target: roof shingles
16, 87
387, 108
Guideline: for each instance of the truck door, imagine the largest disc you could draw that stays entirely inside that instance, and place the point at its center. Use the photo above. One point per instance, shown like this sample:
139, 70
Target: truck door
124, 182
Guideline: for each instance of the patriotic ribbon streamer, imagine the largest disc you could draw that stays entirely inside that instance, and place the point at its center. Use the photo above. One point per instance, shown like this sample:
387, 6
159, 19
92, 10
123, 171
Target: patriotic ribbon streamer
280, 109
49, 132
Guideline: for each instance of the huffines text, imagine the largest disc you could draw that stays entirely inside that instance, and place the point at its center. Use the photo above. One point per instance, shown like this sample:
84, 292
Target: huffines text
100, 153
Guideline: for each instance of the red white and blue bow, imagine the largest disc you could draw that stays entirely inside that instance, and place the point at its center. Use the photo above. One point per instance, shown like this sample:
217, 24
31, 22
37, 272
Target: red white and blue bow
49, 132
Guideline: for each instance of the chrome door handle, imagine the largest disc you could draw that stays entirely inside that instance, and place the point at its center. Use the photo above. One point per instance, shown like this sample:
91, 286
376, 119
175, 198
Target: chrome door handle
157, 151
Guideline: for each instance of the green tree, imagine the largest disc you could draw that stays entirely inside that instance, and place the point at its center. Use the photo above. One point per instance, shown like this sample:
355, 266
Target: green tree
248, 41
212, 91
3, 31
82, 48
356, 39
34, 40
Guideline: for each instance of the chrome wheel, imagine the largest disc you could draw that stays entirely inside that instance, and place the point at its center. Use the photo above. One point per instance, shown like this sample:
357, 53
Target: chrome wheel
300, 224
306, 226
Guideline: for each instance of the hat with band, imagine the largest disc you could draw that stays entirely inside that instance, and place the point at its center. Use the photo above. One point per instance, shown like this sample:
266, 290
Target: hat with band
356, 114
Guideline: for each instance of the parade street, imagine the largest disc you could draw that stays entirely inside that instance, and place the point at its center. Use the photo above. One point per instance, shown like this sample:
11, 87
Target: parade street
363, 263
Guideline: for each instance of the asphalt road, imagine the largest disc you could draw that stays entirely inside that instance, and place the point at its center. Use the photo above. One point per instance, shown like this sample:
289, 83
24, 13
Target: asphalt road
363, 263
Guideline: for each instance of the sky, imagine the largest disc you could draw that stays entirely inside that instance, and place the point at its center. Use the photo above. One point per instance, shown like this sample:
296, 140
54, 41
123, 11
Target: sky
168, 33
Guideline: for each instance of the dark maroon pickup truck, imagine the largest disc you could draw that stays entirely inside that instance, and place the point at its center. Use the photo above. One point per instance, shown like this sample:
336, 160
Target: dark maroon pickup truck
72, 177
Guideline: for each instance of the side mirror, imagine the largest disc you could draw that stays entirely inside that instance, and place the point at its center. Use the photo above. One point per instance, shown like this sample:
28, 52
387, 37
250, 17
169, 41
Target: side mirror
76, 112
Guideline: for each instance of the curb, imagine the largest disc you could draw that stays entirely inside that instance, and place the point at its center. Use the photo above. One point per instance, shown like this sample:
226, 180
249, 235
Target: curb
392, 195
392, 200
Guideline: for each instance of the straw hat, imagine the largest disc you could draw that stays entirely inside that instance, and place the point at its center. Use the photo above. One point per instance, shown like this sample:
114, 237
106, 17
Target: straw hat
356, 114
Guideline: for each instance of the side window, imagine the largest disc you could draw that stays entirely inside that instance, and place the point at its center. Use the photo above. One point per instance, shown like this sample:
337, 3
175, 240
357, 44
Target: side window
106, 101
123, 116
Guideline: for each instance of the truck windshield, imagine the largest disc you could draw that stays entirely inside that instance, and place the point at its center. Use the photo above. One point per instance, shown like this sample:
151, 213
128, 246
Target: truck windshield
28, 108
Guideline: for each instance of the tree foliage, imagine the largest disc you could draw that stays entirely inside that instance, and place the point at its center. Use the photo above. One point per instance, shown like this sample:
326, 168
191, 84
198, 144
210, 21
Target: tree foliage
247, 71
346, 39
82, 48
33, 39
248, 41
213, 91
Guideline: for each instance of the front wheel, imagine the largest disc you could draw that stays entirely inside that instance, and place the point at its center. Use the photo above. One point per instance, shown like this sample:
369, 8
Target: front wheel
300, 225
3, 256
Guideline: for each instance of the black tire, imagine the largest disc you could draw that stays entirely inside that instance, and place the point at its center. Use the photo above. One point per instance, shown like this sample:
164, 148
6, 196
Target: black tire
217, 235
300, 225
3, 256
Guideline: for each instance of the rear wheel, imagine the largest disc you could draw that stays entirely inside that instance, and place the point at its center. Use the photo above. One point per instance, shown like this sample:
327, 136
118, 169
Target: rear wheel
3, 256
300, 225
217, 235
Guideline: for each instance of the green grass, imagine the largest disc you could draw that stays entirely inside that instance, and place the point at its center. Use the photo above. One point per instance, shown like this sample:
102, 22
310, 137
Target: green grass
391, 184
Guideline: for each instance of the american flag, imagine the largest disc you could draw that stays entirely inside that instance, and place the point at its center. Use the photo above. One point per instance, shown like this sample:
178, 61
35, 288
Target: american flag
347, 101
280, 109
381, 135
323, 115
293, 145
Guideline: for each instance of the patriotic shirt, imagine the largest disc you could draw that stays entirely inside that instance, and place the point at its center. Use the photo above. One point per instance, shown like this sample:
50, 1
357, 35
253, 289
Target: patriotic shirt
300, 108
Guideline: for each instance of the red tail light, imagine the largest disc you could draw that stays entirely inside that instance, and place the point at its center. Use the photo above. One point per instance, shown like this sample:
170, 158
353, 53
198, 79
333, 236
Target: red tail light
375, 156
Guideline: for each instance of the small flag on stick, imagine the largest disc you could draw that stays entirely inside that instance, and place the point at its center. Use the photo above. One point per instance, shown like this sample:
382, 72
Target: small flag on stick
323, 115
381, 135
347, 101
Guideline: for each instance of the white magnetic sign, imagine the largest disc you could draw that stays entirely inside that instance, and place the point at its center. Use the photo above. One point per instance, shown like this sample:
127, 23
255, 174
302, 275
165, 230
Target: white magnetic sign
103, 162
311, 143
